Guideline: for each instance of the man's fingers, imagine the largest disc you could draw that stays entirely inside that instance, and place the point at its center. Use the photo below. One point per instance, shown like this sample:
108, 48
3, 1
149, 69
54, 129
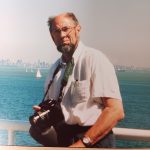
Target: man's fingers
36, 108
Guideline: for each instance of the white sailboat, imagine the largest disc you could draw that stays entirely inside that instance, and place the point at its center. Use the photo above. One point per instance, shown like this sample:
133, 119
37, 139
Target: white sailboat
38, 73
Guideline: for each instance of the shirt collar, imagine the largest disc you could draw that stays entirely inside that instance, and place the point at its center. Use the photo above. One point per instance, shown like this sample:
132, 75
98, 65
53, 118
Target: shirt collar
75, 56
78, 51
61, 63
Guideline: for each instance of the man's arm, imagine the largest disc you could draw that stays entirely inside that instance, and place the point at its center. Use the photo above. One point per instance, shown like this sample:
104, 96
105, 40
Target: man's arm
111, 114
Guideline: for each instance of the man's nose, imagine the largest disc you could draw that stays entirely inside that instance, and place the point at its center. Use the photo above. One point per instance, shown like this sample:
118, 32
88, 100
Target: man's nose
62, 34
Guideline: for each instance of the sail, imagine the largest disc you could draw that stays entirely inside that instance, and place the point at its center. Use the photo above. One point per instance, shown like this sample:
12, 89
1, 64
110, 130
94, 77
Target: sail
38, 73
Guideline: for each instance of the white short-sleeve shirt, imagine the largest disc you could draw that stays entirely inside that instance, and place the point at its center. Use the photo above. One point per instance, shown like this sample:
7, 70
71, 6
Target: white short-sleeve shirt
93, 77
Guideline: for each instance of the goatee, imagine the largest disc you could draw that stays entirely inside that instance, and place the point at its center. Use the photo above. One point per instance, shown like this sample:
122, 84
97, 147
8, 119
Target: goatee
68, 49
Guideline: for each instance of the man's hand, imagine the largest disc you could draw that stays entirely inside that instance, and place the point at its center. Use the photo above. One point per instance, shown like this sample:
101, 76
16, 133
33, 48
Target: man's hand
36, 108
77, 144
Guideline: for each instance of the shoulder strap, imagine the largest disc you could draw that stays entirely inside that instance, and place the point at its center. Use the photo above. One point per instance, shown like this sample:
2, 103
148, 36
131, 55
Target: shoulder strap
51, 81
67, 73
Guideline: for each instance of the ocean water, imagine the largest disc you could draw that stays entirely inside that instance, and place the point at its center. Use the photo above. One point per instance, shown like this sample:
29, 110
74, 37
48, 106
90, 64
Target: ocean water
135, 91
20, 90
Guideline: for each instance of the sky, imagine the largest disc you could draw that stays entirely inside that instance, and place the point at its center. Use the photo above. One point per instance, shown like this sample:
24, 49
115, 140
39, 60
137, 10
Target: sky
119, 28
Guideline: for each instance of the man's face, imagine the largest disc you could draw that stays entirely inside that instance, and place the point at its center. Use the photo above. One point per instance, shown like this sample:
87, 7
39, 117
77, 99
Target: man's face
65, 34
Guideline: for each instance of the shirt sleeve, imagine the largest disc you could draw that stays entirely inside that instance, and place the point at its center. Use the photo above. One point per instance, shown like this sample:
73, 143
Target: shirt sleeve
104, 79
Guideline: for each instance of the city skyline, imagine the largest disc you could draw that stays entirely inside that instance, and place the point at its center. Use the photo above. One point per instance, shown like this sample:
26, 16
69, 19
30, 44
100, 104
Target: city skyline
120, 29
44, 64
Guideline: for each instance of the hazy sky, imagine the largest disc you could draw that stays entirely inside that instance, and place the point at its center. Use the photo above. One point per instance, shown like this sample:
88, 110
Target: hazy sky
119, 28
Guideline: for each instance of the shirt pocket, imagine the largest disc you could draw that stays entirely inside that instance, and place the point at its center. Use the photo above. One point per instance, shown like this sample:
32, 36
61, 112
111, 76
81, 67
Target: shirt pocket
80, 91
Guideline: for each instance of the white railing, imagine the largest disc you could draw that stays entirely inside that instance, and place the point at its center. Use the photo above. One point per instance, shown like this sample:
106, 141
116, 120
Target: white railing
121, 133
13, 125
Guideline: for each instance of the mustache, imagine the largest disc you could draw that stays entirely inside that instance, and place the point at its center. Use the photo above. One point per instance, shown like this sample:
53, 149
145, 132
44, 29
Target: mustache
66, 48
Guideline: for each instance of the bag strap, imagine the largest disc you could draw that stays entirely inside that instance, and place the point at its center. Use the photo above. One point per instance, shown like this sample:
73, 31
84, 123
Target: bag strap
51, 81
67, 73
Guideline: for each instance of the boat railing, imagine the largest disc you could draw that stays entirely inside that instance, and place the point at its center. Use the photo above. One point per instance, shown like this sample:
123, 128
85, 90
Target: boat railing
121, 133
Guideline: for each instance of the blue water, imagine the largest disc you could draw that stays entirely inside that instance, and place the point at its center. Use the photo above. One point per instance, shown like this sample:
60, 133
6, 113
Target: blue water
20, 90
135, 90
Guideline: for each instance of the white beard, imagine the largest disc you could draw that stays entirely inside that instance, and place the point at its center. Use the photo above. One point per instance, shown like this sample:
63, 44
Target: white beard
66, 48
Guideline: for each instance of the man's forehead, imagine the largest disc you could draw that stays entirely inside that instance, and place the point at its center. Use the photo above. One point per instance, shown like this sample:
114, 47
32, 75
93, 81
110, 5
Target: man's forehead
61, 21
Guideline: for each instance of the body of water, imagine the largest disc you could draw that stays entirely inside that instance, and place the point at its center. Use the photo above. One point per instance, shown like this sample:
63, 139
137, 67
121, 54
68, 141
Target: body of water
20, 90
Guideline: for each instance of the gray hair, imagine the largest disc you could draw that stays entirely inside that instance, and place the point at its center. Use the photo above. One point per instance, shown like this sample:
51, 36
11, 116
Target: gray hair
67, 14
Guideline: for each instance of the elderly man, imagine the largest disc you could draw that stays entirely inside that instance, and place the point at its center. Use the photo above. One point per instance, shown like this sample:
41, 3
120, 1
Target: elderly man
90, 100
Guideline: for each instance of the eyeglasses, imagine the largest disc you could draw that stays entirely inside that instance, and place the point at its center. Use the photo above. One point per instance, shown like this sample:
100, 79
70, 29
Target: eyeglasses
64, 29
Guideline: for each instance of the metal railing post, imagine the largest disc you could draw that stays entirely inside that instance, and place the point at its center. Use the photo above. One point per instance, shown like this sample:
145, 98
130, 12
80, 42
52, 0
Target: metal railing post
10, 137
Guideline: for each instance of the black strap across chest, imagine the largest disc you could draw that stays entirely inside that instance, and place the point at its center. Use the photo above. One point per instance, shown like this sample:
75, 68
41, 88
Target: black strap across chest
67, 73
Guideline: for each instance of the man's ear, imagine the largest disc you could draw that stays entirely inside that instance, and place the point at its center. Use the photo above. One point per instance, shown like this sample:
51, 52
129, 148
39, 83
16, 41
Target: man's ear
78, 27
